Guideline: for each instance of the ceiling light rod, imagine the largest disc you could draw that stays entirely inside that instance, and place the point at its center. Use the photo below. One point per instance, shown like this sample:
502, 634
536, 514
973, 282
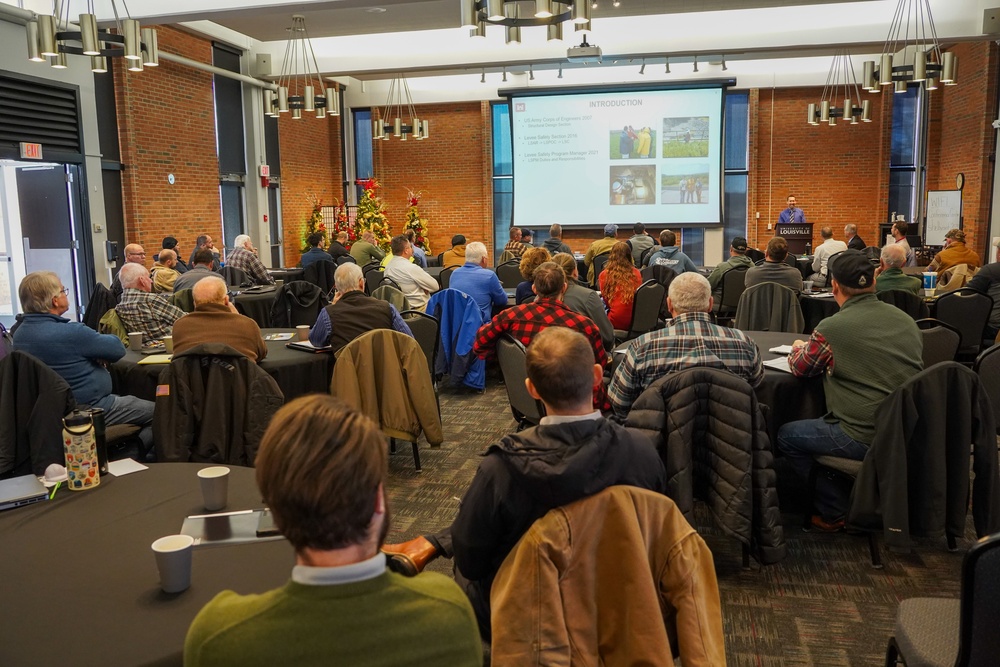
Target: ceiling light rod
912, 53
300, 86
53, 36
547, 12
841, 84
397, 104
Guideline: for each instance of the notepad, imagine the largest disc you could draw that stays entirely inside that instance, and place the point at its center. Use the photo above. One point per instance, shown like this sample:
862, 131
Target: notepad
779, 364
781, 349
279, 336
308, 347
155, 359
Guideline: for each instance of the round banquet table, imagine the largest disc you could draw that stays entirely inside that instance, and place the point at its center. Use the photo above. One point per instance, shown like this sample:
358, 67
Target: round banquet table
256, 306
815, 309
297, 372
80, 581
287, 275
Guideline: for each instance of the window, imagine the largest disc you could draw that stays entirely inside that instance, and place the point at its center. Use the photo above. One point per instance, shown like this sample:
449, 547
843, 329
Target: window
736, 146
503, 175
230, 144
906, 168
363, 162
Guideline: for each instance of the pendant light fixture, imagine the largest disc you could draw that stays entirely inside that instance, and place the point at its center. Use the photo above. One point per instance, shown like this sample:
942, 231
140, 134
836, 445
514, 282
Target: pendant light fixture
912, 53
300, 86
841, 86
478, 14
399, 105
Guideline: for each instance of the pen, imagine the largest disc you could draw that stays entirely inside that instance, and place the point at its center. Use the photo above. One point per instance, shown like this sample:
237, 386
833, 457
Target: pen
205, 516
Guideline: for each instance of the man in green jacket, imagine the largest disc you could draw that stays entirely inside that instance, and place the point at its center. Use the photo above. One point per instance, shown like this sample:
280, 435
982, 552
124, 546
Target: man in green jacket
365, 251
889, 275
737, 257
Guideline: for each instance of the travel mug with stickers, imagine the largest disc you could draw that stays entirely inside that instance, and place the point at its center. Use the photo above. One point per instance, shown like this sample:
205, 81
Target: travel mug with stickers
80, 447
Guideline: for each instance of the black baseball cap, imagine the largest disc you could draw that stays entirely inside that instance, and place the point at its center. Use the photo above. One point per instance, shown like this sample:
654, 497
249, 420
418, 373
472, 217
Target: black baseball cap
169, 243
739, 244
851, 268
457, 239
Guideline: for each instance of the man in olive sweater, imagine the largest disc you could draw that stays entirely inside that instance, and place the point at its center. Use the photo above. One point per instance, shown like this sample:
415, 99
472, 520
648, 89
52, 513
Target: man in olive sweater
321, 470
861, 364
889, 275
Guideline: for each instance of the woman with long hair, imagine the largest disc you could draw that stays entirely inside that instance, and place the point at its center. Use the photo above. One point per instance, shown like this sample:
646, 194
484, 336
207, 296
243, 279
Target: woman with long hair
530, 260
618, 282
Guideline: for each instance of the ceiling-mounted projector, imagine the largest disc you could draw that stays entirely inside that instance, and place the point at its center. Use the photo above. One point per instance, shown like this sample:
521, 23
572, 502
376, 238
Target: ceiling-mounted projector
585, 53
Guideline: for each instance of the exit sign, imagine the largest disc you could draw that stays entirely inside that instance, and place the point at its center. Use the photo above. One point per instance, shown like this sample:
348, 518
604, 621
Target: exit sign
31, 151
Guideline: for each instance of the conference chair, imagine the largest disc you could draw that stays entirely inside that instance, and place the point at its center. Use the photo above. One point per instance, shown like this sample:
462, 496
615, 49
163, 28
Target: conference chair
216, 408
234, 277
384, 375
509, 273
346, 259
908, 302
507, 256
599, 262
954, 278
426, 331
874, 254
320, 274
444, 277
941, 341
387, 281
527, 411
390, 294
440, 259
733, 286
617, 578
944, 632
768, 307
968, 311
644, 257
460, 318
914, 479
112, 323
373, 277
646, 303
297, 303
183, 299
987, 367
756, 256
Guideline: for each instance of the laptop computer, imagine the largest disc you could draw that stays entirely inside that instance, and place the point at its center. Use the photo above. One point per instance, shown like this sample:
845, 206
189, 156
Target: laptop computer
19, 491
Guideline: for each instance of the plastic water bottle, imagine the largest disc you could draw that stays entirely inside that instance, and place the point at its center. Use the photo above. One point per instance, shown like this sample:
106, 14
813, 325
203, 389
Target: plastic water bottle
80, 448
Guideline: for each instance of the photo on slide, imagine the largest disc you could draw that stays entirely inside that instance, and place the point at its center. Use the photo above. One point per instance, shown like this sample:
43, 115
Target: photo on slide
634, 185
686, 136
630, 143
684, 183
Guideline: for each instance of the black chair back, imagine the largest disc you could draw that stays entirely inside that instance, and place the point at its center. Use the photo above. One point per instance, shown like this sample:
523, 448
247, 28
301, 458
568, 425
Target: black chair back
987, 367
297, 303
373, 278
599, 262
511, 357
769, 307
756, 256
427, 332
390, 294
908, 302
968, 311
321, 275
444, 278
234, 277
101, 301
346, 259
941, 341
644, 257
509, 273
387, 281
733, 285
649, 298
979, 643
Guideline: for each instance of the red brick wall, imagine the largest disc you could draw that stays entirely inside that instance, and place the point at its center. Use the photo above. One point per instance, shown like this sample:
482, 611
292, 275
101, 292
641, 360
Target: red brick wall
961, 140
452, 168
166, 122
311, 168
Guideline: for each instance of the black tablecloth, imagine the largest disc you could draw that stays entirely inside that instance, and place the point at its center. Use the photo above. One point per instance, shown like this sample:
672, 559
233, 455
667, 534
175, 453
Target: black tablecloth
80, 584
788, 398
287, 275
816, 309
256, 306
296, 372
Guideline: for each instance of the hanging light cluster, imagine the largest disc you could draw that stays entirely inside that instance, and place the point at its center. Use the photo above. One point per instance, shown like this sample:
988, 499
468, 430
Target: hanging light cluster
912, 53
841, 85
477, 14
397, 104
46, 39
300, 87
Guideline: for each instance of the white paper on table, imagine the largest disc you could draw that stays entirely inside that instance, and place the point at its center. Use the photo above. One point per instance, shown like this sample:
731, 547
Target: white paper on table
781, 349
125, 467
779, 363
821, 295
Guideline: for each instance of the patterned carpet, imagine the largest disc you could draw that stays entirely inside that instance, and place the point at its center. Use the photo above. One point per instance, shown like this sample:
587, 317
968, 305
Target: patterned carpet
823, 605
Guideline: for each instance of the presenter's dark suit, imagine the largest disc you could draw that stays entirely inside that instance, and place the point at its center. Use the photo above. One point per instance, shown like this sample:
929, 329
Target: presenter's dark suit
856, 243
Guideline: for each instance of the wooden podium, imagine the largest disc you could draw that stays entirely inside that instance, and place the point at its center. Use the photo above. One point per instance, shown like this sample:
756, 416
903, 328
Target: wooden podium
798, 234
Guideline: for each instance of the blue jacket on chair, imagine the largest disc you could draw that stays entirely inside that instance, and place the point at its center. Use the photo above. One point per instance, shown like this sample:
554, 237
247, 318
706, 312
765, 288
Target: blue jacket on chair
460, 319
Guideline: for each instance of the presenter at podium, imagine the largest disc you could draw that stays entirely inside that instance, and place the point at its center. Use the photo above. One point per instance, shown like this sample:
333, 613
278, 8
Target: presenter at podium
792, 214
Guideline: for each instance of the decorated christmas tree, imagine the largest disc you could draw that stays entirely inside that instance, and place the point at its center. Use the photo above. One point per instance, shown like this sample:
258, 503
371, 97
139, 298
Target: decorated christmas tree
371, 215
342, 224
415, 222
315, 224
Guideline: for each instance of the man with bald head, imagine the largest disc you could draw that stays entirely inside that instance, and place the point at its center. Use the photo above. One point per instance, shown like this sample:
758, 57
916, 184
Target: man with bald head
889, 275
134, 254
164, 272
139, 310
215, 320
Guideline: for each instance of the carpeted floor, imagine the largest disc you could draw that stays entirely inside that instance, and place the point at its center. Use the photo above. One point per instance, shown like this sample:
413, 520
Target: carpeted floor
823, 605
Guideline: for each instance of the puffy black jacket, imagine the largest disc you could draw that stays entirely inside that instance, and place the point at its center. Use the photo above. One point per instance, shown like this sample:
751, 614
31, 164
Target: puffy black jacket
213, 405
297, 302
711, 435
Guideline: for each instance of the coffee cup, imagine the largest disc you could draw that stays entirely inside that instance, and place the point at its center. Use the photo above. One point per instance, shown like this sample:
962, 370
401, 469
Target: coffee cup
168, 344
929, 282
173, 560
214, 487
135, 341
302, 332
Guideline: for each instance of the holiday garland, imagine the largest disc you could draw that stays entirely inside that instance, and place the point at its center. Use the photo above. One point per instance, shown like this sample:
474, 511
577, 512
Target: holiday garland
415, 222
371, 215
315, 224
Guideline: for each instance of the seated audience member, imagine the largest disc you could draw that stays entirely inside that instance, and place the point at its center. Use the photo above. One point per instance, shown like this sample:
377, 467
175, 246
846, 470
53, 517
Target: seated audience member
689, 340
898, 231
419, 256
244, 257
201, 267
455, 256
337, 247
547, 310
415, 283
215, 320
889, 275
514, 245
205, 242
353, 312
530, 260
364, 251
170, 243
322, 469
140, 310
854, 242
526, 238
134, 254
641, 241
954, 253
775, 269
618, 282
859, 370
987, 281
164, 272
670, 255
584, 300
573, 453
600, 247
554, 244
830, 246
316, 253
480, 283
737, 258
76, 352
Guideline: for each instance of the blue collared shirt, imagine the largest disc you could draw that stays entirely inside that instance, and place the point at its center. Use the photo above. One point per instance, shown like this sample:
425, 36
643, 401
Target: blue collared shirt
482, 285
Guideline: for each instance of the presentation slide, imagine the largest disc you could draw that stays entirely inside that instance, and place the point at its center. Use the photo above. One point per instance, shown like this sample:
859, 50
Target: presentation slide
623, 157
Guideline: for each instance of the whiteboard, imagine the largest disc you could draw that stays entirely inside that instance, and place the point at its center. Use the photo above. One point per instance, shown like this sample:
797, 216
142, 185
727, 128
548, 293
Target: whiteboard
944, 212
